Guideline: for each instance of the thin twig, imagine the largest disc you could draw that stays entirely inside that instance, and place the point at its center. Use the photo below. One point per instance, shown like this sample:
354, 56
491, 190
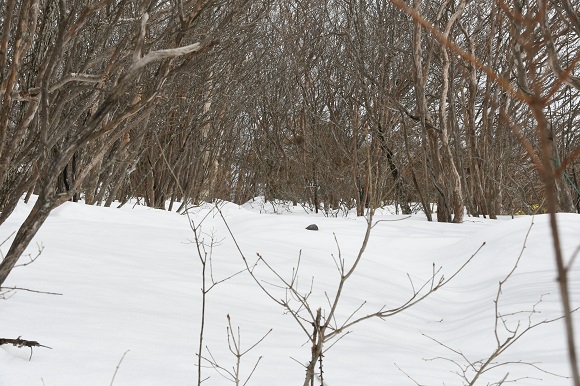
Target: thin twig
32, 259
117, 368
390, 220
408, 376
29, 290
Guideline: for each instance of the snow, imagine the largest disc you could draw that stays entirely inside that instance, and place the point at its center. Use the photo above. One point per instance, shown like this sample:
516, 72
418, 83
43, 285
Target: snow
130, 280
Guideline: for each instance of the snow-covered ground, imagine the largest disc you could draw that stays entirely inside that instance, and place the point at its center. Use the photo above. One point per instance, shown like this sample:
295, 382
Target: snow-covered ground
130, 281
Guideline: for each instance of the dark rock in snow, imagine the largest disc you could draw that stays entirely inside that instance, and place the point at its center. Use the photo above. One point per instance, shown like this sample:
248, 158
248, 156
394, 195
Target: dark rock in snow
312, 227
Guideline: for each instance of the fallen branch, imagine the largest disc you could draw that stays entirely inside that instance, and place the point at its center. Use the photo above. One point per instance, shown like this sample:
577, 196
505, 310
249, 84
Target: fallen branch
23, 343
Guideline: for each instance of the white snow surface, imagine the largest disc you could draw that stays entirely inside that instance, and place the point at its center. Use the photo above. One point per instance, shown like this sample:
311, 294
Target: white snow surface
130, 280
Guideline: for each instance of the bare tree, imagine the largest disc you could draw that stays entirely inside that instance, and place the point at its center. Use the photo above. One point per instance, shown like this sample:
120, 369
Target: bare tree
97, 71
535, 89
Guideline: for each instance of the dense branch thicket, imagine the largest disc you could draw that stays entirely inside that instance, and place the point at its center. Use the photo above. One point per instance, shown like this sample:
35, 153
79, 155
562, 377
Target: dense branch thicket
308, 101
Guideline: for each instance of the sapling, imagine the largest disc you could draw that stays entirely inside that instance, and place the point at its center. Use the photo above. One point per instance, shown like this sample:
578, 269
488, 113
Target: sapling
321, 326
235, 348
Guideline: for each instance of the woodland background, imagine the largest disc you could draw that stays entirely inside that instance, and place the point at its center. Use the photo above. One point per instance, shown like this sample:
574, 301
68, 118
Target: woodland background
463, 106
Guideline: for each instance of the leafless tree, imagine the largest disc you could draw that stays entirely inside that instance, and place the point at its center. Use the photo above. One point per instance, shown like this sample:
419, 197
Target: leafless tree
535, 88
80, 81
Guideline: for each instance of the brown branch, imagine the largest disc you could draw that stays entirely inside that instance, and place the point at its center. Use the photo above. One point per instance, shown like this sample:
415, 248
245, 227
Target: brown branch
18, 342
73, 77
575, 154
445, 42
